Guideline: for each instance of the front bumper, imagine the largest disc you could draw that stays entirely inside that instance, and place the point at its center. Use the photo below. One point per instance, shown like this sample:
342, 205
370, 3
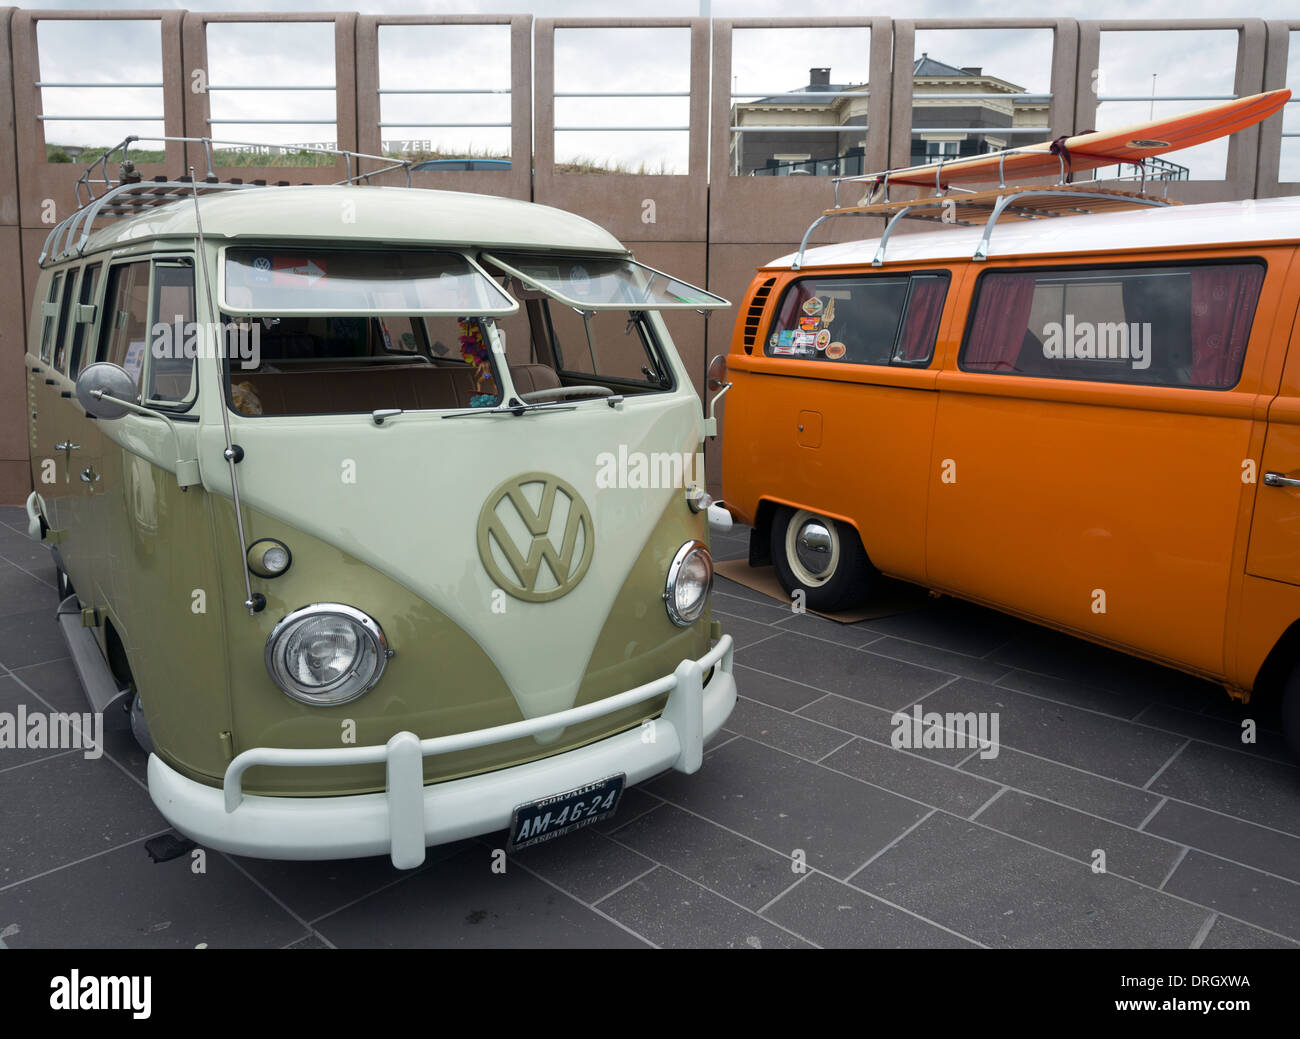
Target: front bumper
409, 816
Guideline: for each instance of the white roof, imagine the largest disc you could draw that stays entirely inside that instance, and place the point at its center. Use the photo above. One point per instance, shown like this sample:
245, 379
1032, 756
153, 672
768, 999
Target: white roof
1250, 222
407, 216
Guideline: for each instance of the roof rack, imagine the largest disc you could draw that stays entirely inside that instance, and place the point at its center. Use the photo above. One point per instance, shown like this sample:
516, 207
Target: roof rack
963, 207
129, 195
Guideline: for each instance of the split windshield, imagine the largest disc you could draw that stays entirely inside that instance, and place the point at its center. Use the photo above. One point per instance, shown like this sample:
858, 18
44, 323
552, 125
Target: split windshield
312, 332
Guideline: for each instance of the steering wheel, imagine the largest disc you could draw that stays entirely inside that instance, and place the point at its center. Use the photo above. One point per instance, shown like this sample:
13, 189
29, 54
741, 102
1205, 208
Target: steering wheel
560, 392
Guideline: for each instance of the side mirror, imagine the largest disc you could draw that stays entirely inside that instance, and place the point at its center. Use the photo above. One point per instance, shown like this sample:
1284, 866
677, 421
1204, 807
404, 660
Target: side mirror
105, 390
718, 372
717, 380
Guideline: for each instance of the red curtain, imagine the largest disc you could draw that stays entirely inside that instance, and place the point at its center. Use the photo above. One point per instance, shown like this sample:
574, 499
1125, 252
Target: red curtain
998, 332
1223, 306
922, 325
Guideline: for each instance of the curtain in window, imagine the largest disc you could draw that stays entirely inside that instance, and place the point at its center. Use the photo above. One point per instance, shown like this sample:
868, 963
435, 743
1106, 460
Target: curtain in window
998, 332
922, 325
1223, 305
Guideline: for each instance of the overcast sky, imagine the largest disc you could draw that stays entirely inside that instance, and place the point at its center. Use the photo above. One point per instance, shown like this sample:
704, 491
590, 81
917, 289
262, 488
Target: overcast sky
764, 61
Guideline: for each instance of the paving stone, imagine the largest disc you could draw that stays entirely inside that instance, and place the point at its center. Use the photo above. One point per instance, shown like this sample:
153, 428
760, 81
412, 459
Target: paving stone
1076, 693
944, 660
1230, 838
17, 705
773, 690
676, 913
461, 903
124, 900
1094, 742
725, 862
56, 682
744, 632
21, 593
312, 889
952, 625
766, 612
936, 785
31, 637
783, 730
838, 669
975, 881
65, 808
635, 802
832, 631
1118, 802
1227, 781
834, 915
788, 804
586, 864
1222, 732
873, 723
1239, 891
1233, 934
1129, 853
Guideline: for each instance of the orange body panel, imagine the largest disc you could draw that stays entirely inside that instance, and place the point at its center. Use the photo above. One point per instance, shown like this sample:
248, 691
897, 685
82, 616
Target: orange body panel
1033, 495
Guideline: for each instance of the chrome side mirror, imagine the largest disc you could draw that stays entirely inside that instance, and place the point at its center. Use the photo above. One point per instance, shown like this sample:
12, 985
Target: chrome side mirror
718, 372
106, 390
717, 380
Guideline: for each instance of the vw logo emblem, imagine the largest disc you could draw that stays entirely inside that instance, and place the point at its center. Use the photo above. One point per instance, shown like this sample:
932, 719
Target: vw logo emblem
535, 537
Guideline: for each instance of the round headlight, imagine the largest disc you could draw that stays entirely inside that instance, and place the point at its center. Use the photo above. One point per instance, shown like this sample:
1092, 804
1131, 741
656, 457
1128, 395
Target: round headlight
326, 654
689, 580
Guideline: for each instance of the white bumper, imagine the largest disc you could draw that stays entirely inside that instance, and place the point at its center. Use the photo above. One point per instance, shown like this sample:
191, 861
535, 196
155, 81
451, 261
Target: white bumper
409, 816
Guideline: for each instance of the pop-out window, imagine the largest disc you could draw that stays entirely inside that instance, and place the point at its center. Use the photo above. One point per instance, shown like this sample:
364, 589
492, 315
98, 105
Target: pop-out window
89, 283
876, 320
50, 311
1182, 325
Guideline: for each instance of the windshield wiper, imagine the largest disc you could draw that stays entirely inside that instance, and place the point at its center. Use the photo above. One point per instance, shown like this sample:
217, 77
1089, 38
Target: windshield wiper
518, 407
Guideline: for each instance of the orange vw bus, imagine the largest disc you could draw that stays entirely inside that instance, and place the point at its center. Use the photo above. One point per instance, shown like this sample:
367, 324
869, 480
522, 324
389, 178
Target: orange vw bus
1092, 422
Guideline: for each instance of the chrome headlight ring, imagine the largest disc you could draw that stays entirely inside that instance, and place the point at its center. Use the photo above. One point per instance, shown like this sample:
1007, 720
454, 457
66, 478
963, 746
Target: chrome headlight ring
345, 646
685, 567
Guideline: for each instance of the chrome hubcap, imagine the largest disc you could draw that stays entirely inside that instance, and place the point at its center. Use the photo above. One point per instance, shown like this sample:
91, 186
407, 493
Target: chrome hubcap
813, 547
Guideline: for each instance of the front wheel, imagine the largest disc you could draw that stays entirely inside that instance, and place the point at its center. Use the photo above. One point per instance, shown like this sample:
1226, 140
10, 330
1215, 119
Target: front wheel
822, 558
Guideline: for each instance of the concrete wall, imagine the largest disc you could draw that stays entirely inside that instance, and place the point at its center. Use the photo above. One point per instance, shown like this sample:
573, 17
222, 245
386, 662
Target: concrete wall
708, 226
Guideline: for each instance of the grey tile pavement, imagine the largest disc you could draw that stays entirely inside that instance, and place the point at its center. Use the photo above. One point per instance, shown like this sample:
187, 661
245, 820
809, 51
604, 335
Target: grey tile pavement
805, 827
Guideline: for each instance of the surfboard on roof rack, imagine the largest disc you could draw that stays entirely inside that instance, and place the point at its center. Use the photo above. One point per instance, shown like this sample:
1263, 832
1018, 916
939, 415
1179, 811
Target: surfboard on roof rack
1131, 145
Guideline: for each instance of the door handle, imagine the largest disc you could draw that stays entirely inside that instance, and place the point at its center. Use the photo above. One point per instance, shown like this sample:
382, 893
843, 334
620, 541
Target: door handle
67, 445
1278, 480
88, 475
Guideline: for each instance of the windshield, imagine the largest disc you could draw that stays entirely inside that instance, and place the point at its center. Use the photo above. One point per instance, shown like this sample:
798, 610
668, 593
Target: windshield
287, 281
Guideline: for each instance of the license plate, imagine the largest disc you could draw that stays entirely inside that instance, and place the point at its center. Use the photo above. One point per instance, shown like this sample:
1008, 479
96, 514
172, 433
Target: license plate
559, 814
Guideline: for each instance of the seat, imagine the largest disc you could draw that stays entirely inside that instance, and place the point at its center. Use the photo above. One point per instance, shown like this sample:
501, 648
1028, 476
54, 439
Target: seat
530, 377
343, 391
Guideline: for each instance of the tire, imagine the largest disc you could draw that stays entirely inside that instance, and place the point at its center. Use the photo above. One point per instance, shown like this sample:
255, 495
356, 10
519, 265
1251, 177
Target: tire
1291, 713
822, 558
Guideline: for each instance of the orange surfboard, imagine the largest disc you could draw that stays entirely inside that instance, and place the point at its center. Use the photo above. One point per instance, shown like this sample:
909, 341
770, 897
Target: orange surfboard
1087, 151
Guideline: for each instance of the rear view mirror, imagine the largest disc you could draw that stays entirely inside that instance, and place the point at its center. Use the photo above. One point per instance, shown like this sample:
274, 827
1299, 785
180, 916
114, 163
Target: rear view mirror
103, 387
718, 372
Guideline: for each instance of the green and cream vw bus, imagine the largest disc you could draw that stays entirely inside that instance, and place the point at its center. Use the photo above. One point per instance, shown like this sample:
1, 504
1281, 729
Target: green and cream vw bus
327, 476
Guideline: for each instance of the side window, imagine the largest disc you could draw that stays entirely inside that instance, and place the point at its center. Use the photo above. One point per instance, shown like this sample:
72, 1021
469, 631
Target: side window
171, 362
80, 329
125, 325
608, 344
50, 311
65, 318
885, 320
1162, 326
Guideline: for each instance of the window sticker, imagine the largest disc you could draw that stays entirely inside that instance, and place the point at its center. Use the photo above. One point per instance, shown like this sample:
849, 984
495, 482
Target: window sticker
260, 273
297, 271
812, 307
134, 360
